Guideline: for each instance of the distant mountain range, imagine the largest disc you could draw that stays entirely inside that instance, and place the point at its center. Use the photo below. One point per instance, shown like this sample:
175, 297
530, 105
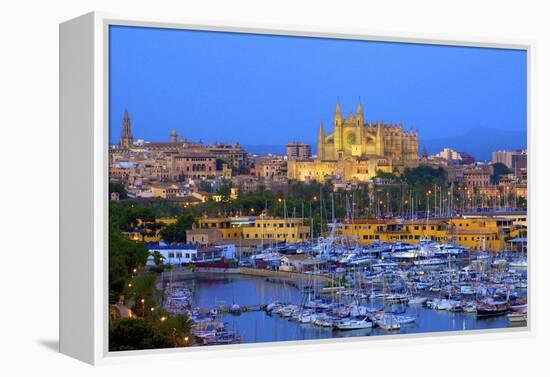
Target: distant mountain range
480, 142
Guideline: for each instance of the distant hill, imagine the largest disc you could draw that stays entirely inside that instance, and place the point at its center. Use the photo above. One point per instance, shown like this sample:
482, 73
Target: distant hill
480, 142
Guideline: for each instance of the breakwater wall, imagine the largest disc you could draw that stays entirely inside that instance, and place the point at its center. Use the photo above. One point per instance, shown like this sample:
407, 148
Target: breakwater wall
177, 275
215, 270
186, 274
284, 275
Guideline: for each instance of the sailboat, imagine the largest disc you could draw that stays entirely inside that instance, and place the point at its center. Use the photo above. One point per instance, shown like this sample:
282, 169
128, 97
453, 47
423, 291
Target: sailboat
353, 323
388, 322
417, 300
518, 263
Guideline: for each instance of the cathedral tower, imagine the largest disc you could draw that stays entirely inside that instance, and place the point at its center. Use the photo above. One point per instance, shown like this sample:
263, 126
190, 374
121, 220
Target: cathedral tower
357, 149
321, 143
126, 140
174, 136
360, 125
360, 116
338, 132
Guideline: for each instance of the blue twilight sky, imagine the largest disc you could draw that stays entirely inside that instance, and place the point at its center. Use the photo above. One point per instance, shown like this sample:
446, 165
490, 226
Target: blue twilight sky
268, 90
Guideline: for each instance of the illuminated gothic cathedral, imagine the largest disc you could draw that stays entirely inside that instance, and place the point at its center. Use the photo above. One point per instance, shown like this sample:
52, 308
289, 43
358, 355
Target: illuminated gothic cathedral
357, 150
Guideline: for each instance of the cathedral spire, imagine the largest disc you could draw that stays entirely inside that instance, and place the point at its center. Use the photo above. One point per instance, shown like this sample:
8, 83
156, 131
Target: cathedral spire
359, 107
321, 142
360, 118
321, 130
338, 110
338, 134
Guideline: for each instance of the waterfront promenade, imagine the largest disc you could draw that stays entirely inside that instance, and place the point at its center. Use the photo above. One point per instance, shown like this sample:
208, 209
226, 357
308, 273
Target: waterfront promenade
178, 274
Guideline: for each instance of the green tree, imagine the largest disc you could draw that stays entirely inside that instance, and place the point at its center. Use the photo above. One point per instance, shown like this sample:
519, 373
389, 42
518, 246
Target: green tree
134, 334
118, 188
150, 333
124, 256
157, 257
389, 176
177, 331
499, 169
424, 178
175, 232
225, 191
143, 287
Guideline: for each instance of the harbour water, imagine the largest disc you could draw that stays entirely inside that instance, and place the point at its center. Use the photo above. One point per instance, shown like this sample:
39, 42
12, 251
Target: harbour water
258, 326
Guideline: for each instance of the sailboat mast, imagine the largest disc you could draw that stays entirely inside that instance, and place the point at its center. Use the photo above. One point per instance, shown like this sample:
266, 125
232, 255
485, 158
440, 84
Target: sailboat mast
320, 210
332, 205
310, 222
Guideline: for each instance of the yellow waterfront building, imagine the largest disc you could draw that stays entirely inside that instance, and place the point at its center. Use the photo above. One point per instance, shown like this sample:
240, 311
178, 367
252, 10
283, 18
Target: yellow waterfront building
357, 150
291, 230
267, 229
476, 233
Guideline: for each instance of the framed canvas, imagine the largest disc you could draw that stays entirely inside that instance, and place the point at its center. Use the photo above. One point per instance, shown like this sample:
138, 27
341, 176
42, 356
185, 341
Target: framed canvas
247, 188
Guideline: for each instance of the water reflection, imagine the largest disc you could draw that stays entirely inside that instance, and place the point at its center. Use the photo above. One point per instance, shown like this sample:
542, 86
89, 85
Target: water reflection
210, 291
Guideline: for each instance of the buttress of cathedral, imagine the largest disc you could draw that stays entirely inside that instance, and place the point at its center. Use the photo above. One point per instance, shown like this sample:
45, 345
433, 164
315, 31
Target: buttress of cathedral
357, 150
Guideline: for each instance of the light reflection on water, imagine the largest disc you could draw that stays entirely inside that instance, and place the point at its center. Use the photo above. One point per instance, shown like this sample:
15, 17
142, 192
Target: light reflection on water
259, 327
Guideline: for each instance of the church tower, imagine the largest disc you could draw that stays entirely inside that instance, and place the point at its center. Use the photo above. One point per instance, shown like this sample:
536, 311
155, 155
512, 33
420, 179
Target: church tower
174, 136
338, 132
321, 143
360, 116
359, 127
126, 140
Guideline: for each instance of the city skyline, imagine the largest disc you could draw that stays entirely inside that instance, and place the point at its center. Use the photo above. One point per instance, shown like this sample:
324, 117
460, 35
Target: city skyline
354, 229
236, 86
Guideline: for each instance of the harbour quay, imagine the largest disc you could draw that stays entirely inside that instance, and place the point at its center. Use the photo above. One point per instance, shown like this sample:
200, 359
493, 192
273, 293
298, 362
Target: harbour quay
346, 289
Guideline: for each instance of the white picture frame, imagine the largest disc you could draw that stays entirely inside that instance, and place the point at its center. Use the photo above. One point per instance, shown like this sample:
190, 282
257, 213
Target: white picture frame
84, 188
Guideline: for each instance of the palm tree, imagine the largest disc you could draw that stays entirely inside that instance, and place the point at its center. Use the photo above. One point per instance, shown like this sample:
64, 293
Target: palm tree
179, 328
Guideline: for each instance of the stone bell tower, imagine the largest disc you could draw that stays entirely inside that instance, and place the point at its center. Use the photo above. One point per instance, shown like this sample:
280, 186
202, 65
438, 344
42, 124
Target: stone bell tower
126, 139
338, 132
